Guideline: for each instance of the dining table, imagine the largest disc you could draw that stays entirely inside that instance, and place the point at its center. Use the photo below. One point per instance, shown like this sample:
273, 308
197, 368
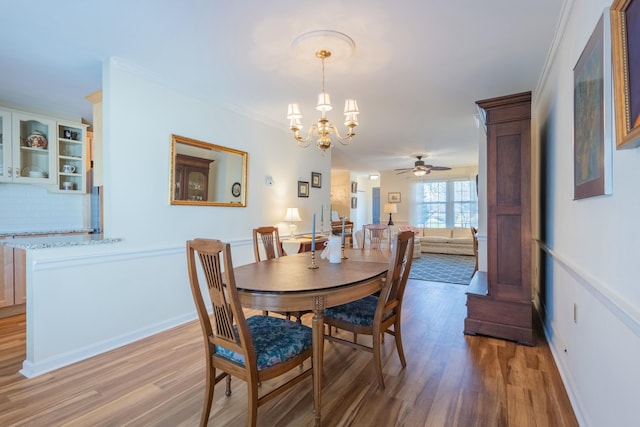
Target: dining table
289, 284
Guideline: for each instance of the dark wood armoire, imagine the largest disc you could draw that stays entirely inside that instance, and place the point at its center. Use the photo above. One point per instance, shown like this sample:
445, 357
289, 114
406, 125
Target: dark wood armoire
500, 301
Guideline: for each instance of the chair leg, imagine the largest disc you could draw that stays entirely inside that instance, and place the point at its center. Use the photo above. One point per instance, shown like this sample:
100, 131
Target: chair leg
377, 358
210, 384
398, 335
227, 391
252, 397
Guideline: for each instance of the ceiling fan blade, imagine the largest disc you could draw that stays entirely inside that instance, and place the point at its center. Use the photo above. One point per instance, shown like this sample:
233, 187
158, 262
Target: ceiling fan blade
440, 168
402, 171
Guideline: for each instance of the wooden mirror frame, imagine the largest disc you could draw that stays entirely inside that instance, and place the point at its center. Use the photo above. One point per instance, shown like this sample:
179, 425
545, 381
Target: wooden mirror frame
192, 156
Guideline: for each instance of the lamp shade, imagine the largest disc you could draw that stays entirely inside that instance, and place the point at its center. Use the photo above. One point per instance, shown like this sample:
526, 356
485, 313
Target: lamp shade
293, 111
390, 208
419, 172
324, 102
292, 215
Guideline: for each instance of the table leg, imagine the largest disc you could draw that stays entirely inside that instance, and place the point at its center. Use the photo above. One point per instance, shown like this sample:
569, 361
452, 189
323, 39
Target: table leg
317, 325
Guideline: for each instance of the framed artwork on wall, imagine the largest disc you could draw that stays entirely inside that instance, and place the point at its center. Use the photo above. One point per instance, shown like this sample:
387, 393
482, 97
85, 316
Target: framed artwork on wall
625, 33
354, 186
354, 203
303, 189
592, 116
316, 180
394, 197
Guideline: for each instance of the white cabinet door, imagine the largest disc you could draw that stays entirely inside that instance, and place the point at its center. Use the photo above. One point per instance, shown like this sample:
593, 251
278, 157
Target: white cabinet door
6, 162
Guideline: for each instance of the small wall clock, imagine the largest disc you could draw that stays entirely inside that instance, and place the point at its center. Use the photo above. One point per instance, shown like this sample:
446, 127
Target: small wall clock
235, 189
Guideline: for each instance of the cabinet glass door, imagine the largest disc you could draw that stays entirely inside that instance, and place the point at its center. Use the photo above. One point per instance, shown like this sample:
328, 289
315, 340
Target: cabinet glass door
5, 146
34, 148
197, 189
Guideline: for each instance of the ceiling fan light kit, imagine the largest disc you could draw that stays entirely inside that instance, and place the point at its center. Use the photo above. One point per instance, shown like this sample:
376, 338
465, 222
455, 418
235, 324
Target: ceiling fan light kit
420, 169
324, 43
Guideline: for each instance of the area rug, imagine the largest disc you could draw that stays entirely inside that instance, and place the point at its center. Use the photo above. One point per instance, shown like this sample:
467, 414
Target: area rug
443, 268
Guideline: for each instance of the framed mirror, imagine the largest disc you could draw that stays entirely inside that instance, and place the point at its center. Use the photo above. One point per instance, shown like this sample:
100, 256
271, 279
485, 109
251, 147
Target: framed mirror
204, 174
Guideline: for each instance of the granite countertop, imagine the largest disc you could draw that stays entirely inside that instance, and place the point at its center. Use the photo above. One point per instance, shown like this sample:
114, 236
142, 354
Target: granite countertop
45, 232
56, 241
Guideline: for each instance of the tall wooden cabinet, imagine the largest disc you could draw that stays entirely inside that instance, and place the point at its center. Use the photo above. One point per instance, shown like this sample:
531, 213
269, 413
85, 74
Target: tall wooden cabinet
192, 178
500, 301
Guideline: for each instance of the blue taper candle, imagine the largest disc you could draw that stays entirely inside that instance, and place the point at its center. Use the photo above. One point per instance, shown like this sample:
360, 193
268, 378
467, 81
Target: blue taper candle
313, 234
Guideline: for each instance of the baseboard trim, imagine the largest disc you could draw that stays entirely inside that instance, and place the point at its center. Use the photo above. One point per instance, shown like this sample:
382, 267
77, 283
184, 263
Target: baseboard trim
30, 369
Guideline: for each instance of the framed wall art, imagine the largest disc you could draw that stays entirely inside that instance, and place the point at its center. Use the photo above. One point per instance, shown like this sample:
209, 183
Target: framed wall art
354, 203
394, 197
303, 189
625, 33
354, 186
316, 180
592, 116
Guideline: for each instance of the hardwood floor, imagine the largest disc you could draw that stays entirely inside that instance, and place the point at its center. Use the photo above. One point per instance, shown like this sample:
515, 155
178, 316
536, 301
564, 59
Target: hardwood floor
450, 380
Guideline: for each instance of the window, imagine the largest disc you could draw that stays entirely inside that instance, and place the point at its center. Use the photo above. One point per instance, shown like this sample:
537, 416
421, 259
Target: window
440, 204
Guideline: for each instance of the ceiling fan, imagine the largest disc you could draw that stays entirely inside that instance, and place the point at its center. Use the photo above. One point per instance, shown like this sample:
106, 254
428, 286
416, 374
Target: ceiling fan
421, 169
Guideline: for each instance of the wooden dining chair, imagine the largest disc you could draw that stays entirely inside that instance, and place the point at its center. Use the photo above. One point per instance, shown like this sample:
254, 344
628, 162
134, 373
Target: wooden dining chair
271, 244
377, 236
375, 315
254, 349
272, 248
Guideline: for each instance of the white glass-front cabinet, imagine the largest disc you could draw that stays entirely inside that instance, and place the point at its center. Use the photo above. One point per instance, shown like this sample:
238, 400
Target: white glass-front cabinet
72, 139
33, 144
6, 162
35, 149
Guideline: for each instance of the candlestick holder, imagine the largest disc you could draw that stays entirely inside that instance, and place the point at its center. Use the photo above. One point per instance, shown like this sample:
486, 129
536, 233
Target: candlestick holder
313, 264
342, 255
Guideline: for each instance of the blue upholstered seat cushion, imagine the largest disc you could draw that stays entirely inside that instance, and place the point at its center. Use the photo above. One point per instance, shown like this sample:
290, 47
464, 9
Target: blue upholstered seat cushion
275, 340
358, 312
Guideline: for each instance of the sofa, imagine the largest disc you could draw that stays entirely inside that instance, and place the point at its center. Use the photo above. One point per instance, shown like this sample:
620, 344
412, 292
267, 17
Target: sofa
456, 240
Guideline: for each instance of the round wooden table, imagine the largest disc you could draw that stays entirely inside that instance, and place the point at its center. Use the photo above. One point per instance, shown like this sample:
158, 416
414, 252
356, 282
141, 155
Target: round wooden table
288, 284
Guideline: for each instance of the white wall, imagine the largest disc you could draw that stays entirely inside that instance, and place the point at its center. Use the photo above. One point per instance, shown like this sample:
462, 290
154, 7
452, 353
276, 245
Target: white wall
85, 300
591, 249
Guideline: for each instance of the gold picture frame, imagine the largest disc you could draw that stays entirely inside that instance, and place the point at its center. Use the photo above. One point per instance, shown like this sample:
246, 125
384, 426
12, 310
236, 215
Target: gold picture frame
625, 39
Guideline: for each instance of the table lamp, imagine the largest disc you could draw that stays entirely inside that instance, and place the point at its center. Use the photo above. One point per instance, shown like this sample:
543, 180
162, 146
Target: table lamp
292, 216
390, 208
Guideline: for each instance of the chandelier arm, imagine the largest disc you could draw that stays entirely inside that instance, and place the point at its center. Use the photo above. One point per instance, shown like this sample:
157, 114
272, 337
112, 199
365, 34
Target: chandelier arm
305, 142
344, 140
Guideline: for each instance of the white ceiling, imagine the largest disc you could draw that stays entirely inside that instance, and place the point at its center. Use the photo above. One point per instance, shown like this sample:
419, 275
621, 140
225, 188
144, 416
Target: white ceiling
418, 68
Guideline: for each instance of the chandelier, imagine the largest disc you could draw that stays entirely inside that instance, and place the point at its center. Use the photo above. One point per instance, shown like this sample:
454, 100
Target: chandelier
323, 128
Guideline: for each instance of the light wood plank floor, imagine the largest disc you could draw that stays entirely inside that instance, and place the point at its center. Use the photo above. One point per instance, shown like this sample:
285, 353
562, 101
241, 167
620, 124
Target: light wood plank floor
450, 380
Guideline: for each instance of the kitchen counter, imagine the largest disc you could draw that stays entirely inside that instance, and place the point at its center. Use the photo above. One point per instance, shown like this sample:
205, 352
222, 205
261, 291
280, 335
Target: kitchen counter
57, 241
18, 234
